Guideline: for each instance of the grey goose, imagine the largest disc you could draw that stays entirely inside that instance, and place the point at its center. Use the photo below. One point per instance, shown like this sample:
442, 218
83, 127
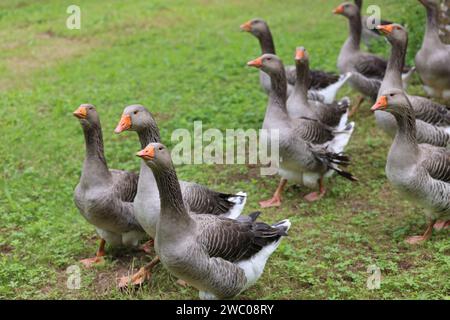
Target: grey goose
432, 119
421, 172
220, 257
367, 69
197, 198
323, 86
104, 196
306, 149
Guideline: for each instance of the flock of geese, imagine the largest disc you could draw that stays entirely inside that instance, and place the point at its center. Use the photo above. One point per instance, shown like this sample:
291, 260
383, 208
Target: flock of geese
199, 234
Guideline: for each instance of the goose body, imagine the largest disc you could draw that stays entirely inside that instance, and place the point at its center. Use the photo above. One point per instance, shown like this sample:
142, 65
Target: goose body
197, 198
433, 58
105, 197
432, 119
420, 171
221, 257
367, 69
323, 86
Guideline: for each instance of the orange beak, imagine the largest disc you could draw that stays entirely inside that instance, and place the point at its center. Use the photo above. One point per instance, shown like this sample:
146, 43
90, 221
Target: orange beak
255, 63
381, 104
299, 54
246, 26
80, 113
124, 124
385, 29
339, 10
148, 153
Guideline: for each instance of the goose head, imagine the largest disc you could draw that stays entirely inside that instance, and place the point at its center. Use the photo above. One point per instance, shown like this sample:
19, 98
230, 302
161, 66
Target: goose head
394, 33
301, 56
156, 156
87, 115
258, 27
269, 63
135, 118
347, 9
393, 101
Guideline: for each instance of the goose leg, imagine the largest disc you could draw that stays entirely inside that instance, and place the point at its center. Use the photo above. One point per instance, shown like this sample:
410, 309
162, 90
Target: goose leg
356, 106
89, 262
139, 277
147, 247
442, 225
275, 201
314, 196
427, 235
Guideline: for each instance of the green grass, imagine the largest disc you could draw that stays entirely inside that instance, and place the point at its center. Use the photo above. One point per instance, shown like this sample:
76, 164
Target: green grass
185, 61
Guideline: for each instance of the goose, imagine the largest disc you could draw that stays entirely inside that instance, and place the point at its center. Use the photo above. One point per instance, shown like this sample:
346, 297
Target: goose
220, 257
306, 157
433, 59
368, 33
334, 114
197, 198
432, 119
323, 86
420, 171
105, 196
367, 69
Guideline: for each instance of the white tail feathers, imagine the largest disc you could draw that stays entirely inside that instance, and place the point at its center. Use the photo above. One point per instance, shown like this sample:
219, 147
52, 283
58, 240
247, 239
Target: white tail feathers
329, 93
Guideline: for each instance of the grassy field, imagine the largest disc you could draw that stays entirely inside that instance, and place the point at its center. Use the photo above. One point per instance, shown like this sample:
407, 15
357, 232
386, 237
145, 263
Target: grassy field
185, 61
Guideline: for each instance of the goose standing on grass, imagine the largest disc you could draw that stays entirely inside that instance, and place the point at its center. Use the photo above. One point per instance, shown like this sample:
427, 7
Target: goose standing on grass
323, 86
104, 197
433, 58
220, 257
367, 69
334, 114
197, 198
368, 33
306, 153
432, 119
420, 171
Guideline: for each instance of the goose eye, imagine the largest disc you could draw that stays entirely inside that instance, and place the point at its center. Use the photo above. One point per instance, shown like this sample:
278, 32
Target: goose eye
135, 112
391, 95
268, 59
160, 148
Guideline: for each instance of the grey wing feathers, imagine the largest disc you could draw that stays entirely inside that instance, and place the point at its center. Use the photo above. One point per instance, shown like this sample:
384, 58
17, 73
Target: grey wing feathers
366, 85
203, 200
437, 162
371, 66
125, 183
430, 134
313, 131
430, 111
236, 240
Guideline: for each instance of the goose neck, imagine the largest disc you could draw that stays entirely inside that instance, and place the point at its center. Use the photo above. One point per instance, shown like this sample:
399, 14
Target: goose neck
266, 42
355, 29
95, 157
172, 206
395, 65
405, 139
148, 134
302, 80
431, 29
